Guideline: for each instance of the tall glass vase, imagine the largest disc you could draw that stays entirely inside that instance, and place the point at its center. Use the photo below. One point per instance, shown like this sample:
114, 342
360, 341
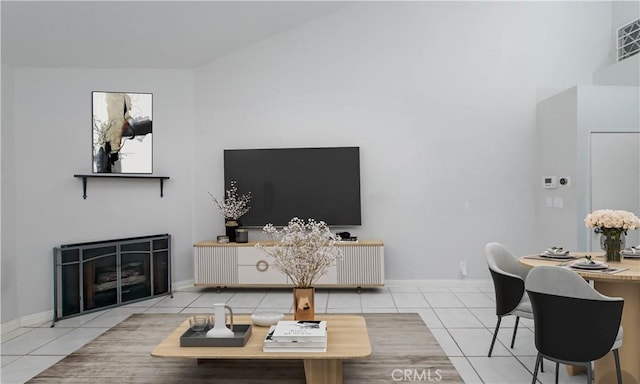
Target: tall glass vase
612, 243
303, 303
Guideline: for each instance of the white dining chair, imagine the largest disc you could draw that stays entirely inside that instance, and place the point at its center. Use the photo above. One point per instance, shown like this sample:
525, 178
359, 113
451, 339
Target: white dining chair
508, 280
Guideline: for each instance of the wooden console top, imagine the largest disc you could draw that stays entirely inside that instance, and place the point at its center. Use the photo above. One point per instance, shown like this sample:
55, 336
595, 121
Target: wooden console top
213, 243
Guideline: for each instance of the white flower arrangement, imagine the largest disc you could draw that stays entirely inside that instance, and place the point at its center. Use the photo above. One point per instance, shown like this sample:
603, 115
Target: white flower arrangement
305, 252
612, 221
233, 206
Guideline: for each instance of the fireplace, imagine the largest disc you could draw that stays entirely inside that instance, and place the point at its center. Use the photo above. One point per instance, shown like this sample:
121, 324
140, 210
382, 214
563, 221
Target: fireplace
102, 274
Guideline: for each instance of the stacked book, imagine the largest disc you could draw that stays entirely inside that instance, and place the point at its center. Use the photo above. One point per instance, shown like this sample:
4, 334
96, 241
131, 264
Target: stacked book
296, 336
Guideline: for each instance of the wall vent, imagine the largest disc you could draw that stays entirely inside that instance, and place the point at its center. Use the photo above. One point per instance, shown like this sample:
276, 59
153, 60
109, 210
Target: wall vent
628, 40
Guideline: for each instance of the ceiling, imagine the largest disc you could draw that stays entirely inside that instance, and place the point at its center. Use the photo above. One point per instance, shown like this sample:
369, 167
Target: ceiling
143, 34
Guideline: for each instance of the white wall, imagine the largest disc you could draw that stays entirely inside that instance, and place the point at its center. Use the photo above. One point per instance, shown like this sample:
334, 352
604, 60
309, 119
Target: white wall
8, 286
565, 122
623, 12
626, 72
52, 141
602, 109
441, 98
557, 141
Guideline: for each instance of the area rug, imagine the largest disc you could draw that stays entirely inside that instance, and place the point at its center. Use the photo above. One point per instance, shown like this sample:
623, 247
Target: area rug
403, 350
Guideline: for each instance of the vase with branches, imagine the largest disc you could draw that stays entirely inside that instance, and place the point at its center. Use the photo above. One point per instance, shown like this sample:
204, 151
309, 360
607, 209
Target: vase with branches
304, 251
232, 207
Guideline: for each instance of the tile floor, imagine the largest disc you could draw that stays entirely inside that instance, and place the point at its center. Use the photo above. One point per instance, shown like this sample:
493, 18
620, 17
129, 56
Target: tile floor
460, 316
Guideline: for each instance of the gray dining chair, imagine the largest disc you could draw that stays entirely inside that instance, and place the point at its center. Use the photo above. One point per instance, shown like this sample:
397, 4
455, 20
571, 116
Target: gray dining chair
508, 277
573, 323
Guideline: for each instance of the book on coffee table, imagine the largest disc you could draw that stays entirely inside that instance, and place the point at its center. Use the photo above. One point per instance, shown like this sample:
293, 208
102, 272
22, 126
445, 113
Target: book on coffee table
301, 331
300, 345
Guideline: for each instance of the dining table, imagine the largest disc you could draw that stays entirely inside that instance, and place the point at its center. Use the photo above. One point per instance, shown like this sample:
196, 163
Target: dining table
620, 279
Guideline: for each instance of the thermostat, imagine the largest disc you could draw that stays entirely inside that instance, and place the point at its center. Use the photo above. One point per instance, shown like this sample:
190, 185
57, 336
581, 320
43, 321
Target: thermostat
549, 182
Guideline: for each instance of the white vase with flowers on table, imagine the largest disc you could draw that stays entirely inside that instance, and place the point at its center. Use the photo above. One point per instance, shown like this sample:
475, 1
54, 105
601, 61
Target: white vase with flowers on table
613, 226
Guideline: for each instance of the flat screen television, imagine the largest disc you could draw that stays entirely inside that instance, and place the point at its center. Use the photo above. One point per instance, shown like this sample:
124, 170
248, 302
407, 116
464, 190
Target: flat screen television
318, 183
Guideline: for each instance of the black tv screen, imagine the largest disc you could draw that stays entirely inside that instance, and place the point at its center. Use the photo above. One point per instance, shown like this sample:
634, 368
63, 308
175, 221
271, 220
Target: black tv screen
318, 183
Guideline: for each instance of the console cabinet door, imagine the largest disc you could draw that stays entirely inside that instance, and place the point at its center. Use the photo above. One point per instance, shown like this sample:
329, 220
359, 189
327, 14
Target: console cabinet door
256, 267
330, 278
215, 265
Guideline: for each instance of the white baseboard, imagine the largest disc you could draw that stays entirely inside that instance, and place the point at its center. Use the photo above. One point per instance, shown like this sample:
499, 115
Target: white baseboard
435, 282
38, 319
34, 320
178, 285
9, 326
391, 283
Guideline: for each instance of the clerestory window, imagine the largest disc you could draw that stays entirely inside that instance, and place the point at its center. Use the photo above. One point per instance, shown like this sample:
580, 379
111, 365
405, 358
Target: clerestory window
628, 40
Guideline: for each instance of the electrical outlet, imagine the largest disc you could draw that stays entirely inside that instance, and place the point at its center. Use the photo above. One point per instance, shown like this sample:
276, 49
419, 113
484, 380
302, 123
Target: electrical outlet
463, 268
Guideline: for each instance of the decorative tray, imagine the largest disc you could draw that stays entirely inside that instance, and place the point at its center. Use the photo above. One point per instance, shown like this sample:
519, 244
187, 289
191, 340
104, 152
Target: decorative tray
241, 334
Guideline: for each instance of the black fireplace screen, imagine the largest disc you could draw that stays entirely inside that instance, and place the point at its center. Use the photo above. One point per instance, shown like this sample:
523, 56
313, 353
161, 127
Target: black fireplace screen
98, 275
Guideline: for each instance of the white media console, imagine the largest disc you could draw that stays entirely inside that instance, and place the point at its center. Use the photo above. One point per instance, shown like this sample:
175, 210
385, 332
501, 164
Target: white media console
244, 265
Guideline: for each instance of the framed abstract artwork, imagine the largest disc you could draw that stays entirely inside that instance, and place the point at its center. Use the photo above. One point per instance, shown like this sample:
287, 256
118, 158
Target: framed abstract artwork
122, 132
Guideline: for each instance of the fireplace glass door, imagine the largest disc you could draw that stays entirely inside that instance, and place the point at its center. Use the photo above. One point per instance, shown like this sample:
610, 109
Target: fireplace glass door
97, 275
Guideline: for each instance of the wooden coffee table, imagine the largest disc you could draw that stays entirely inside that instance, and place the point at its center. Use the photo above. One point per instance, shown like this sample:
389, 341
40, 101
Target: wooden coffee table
347, 338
